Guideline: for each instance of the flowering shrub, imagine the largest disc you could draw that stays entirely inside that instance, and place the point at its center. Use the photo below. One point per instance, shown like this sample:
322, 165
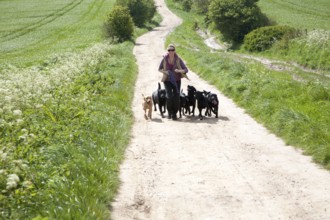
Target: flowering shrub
319, 38
312, 49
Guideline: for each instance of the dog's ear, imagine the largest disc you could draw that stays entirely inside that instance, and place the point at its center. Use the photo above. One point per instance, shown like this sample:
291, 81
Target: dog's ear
144, 97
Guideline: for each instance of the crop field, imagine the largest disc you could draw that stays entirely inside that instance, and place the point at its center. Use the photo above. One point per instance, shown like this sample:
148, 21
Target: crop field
32, 30
306, 14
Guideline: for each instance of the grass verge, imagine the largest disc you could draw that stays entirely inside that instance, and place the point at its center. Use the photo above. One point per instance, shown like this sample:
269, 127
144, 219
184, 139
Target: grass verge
66, 143
296, 111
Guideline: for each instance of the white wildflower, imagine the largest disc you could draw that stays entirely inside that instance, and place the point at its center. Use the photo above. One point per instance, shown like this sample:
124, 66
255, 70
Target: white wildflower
23, 85
12, 181
8, 98
23, 137
11, 185
24, 166
3, 156
19, 121
18, 162
21, 164
27, 184
38, 106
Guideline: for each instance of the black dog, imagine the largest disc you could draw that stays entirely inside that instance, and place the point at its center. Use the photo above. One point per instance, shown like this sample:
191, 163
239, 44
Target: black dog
202, 102
159, 97
183, 103
213, 104
191, 100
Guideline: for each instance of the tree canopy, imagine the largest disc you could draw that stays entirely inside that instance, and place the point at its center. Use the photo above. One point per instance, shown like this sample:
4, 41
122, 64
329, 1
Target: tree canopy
236, 18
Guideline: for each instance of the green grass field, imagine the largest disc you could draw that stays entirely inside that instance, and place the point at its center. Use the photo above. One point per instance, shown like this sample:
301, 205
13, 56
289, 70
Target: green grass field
304, 14
32, 30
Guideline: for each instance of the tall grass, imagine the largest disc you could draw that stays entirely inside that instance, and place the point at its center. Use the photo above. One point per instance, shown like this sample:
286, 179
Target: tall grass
296, 111
311, 50
65, 137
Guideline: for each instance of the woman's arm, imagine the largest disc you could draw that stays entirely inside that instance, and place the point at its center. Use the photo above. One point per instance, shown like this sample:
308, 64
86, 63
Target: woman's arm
161, 66
183, 69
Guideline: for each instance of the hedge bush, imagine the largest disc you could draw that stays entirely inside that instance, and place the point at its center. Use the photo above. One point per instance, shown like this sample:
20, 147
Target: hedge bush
263, 38
141, 11
119, 24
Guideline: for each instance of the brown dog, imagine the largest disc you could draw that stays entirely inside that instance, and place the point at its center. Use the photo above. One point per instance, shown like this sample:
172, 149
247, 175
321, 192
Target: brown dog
147, 106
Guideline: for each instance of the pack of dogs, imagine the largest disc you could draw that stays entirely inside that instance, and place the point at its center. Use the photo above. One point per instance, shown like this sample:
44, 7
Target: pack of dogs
205, 100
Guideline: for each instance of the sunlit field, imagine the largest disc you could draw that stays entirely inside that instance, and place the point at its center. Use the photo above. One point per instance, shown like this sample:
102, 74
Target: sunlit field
32, 30
305, 14
65, 94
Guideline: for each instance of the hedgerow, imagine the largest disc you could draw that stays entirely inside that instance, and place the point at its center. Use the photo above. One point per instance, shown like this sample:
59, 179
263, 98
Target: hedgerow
263, 38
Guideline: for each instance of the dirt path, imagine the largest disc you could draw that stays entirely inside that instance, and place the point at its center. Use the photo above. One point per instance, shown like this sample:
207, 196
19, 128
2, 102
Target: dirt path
226, 168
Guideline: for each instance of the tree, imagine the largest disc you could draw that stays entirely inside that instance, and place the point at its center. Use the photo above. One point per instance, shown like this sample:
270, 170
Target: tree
141, 11
236, 18
201, 6
119, 24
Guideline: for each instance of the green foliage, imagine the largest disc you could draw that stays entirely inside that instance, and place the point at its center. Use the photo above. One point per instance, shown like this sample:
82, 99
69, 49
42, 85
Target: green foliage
201, 6
119, 24
263, 38
236, 18
187, 5
141, 11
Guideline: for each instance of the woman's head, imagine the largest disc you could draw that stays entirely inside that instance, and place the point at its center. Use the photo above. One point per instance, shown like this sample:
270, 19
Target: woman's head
171, 48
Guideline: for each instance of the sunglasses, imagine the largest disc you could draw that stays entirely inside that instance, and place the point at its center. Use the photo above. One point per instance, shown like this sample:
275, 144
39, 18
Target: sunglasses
170, 50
